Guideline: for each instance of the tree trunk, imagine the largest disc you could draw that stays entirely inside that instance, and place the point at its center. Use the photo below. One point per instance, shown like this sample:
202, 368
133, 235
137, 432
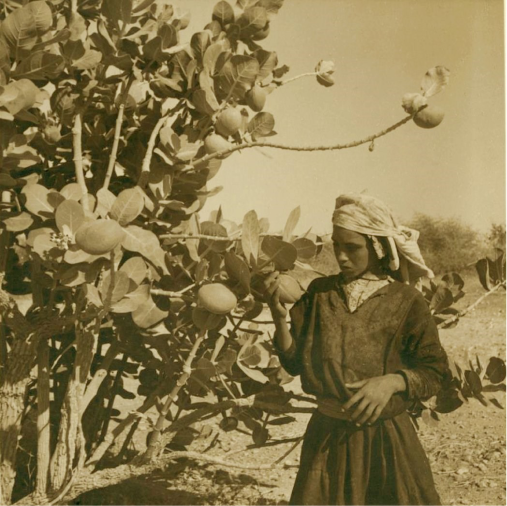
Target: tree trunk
43, 427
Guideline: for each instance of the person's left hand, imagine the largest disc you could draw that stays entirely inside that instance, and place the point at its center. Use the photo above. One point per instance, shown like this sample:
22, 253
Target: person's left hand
372, 396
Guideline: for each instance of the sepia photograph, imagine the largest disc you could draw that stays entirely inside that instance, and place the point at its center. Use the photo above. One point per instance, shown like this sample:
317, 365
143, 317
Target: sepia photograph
252, 252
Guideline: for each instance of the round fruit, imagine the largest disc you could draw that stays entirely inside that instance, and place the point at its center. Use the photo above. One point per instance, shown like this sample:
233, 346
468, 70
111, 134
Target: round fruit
205, 320
215, 144
229, 122
290, 291
216, 298
256, 98
99, 236
430, 117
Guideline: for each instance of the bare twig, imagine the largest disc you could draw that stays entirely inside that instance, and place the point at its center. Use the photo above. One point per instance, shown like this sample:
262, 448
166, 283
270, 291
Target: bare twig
78, 159
291, 79
145, 168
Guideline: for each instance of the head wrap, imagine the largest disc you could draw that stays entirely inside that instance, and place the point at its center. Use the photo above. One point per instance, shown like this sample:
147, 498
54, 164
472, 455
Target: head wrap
369, 216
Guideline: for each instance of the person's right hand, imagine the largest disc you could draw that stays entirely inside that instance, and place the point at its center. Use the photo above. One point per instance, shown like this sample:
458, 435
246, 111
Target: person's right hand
272, 295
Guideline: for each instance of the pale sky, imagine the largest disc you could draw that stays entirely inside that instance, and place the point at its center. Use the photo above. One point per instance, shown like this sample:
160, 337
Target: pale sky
381, 49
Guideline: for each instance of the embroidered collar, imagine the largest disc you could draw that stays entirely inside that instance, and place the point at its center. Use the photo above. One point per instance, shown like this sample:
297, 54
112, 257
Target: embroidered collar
357, 291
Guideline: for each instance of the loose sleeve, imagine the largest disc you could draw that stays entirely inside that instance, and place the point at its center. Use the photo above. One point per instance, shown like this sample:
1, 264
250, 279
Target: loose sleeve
290, 359
426, 365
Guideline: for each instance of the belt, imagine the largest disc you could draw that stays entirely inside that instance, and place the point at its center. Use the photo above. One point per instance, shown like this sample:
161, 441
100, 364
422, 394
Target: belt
332, 407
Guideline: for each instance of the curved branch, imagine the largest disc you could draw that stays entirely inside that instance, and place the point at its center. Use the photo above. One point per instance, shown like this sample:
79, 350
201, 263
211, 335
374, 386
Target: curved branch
332, 147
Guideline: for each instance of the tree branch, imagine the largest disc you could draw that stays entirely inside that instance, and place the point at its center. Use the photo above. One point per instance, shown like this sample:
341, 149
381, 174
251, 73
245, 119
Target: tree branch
78, 159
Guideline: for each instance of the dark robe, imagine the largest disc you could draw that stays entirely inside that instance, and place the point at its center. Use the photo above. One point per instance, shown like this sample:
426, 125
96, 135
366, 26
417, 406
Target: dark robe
392, 331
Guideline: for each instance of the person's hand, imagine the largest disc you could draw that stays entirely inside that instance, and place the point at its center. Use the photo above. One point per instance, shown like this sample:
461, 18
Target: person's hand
372, 396
271, 286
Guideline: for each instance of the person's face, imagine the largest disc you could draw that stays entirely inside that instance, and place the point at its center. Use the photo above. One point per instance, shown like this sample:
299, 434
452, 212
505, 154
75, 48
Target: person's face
352, 251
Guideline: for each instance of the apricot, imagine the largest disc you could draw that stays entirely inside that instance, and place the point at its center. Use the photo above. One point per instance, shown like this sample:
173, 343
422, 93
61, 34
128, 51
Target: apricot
229, 122
99, 236
216, 298
290, 291
256, 98
430, 117
215, 143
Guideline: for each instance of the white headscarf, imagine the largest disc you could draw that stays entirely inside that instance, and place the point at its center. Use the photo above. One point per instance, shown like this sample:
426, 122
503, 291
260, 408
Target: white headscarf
370, 216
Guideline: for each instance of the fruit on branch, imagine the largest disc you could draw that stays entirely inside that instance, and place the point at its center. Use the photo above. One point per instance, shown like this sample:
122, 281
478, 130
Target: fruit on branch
216, 298
256, 98
204, 320
289, 289
215, 143
429, 117
229, 122
99, 236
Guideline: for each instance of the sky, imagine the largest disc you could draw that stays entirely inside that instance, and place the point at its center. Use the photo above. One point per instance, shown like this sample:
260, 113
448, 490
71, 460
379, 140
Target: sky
381, 50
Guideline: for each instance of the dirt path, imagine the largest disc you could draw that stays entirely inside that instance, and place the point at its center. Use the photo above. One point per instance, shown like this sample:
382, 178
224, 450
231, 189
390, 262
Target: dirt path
466, 448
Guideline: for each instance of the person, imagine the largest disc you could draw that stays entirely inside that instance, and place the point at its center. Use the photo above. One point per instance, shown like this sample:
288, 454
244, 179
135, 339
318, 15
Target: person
366, 345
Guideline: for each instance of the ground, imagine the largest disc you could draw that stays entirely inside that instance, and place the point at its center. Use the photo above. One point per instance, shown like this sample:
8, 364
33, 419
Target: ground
466, 448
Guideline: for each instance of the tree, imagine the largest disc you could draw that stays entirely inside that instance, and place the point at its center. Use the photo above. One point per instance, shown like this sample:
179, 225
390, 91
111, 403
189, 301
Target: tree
111, 128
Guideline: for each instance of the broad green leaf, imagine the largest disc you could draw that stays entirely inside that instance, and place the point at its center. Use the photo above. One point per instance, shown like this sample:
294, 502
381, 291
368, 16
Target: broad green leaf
105, 202
441, 299
203, 104
19, 95
75, 255
271, 6
88, 61
148, 314
69, 216
254, 374
146, 243
117, 10
40, 66
216, 230
37, 200
74, 275
474, 381
260, 435
211, 55
23, 26
236, 268
132, 300
136, 269
72, 191
5, 60
252, 21
127, 206
7, 181
18, 223
261, 125
250, 237
434, 81
119, 289
237, 76
223, 13
93, 296
291, 223
268, 60
495, 371
282, 253
77, 26
199, 43
306, 249
482, 267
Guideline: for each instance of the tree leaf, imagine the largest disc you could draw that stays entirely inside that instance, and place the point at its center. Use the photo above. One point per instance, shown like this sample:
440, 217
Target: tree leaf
89, 60
495, 371
120, 288
117, 10
69, 216
210, 58
132, 300
268, 60
434, 81
260, 435
441, 299
482, 268
223, 13
93, 296
127, 206
474, 382
261, 125
105, 201
136, 269
282, 253
253, 20
236, 268
146, 243
237, 76
306, 249
148, 314
23, 26
291, 223
19, 95
199, 43
228, 423
250, 237
37, 200
18, 223
39, 66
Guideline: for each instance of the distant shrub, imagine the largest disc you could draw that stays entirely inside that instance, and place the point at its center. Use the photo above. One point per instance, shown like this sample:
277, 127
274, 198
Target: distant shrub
448, 244
497, 236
